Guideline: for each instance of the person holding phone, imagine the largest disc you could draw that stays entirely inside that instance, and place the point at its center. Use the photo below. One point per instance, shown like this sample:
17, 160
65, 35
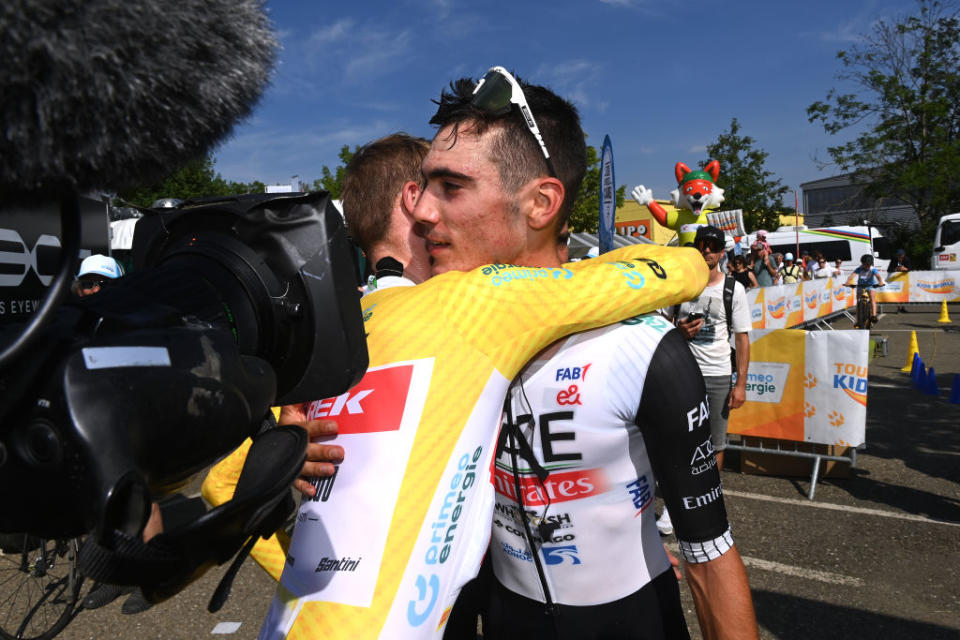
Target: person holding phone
708, 322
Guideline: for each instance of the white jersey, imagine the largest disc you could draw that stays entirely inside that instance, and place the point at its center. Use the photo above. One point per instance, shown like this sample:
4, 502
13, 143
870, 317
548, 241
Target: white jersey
579, 410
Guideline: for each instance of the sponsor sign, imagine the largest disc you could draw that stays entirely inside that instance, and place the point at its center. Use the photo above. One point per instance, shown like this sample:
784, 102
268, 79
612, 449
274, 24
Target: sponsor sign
608, 196
766, 381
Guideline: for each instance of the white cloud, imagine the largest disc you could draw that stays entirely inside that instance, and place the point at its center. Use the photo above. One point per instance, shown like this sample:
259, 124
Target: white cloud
336, 32
572, 79
618, 3
699, 148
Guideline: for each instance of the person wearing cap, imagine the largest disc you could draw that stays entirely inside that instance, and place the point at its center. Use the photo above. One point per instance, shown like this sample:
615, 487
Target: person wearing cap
94, 272
899, 263
764, 268
708, 322
790, 272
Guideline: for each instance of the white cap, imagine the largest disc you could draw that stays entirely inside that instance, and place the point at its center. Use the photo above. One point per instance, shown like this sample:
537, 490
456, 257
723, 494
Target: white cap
761, 233
100, 265
789, 256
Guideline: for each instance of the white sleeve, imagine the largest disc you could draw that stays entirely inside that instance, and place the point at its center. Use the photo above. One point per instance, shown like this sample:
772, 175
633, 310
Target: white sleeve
741, 322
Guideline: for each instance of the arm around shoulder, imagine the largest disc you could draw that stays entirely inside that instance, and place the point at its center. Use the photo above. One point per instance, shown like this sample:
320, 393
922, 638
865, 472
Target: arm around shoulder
722, 597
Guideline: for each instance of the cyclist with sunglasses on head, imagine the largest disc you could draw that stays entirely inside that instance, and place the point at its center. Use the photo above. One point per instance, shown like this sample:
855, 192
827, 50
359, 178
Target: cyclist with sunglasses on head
385, 545
593, 420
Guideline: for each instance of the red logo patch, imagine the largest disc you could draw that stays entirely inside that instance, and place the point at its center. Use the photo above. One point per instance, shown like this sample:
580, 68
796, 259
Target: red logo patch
375, 404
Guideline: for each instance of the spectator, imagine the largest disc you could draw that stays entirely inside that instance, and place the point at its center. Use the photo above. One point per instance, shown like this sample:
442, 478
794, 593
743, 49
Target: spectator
822, 269
763, 265
790, 272
762, 239
838, 267
740, 272
900, 263
95, 272
809, 262
708, 323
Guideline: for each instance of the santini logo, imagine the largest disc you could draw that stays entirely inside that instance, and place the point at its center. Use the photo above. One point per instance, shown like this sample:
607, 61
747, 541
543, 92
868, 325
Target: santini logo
333, 564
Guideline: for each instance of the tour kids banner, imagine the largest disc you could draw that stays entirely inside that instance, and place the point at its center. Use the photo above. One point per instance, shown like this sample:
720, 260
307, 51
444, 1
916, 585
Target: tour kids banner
608, 197
806, 387
921, 286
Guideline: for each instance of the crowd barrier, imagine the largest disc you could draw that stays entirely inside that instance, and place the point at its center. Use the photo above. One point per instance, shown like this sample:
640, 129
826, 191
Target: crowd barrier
810, 387
793, 305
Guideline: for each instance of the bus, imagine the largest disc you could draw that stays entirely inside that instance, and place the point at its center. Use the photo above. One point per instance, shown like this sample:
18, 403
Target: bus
846, 243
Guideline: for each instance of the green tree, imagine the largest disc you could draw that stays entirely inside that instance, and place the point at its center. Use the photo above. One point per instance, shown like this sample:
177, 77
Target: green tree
332, 181
585, 216
905, 114
196, 179
746, 183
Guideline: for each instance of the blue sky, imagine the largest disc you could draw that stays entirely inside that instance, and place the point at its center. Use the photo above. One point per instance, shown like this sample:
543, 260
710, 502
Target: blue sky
662, 78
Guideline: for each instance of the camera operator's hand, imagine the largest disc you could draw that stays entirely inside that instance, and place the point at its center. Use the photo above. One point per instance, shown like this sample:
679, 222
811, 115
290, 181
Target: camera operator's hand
320, 457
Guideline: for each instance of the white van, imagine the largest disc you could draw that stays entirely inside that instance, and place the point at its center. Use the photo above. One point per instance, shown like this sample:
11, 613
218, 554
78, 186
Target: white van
946, 243
847, 243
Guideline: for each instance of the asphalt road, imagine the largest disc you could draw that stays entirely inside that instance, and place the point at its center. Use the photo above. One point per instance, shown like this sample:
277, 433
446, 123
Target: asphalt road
876, 554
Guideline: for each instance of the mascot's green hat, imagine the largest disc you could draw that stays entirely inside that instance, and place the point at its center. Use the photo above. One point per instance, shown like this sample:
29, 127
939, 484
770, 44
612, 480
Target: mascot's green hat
696, 175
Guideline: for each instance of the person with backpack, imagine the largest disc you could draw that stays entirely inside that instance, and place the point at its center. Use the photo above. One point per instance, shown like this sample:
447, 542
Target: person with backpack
708, 322
790, 271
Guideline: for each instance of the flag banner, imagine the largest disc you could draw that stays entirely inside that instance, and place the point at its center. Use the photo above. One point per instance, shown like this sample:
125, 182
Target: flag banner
730, 222
608, 196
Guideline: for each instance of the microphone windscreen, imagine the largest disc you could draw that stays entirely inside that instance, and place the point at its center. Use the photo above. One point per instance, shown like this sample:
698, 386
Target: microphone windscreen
109, 94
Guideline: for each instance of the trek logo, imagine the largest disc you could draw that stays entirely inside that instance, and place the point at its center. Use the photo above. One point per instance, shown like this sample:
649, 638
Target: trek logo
16, 264
698, 415
703, 458
573, 373
323, 486
558, 487
559, 555
375, 404
639, 490
695, 502
335, 564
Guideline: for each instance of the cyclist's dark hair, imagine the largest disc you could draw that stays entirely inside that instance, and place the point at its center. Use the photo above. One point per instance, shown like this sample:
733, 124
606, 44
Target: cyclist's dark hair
515, 152
866, 259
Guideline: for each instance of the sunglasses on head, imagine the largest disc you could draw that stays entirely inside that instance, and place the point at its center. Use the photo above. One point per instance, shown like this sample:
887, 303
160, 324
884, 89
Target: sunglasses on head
497, 92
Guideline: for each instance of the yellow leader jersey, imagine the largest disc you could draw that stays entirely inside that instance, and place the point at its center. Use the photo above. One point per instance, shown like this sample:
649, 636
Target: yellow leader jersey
384, 548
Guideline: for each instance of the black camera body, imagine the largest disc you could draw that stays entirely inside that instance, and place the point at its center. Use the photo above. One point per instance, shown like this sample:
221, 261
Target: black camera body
235, 304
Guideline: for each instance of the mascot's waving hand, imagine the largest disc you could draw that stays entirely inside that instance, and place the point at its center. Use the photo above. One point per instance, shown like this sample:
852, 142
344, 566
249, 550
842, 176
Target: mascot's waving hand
696, 191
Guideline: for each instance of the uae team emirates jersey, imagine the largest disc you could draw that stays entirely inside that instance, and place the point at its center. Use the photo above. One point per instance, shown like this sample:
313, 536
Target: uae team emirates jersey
606, 414
384, 548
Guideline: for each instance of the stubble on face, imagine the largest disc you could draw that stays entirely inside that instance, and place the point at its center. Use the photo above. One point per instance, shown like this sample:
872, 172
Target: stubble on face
467, 217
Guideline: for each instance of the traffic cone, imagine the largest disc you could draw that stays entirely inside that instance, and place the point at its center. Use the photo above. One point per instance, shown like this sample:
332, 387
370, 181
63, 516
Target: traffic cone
955, 389
930, 388
944, 316
921, 382
917, 369
913, 351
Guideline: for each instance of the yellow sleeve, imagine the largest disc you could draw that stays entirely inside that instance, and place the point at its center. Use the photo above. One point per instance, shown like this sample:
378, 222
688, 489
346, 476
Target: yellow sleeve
504, 309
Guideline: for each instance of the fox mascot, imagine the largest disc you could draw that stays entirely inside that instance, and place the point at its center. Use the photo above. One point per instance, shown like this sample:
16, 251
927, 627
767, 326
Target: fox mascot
695, 192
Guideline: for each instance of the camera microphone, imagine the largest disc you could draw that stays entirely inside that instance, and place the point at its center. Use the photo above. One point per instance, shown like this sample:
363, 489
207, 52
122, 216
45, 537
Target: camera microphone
113, 94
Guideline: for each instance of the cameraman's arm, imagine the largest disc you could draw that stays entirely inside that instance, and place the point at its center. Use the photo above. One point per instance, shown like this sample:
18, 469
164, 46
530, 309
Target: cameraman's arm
320, 457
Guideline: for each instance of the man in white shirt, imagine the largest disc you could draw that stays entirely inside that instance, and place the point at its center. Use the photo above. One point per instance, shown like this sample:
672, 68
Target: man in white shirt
707, 323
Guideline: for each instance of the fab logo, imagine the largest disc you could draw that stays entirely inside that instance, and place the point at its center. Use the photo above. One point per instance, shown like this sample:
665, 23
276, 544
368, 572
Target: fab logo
573, 373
